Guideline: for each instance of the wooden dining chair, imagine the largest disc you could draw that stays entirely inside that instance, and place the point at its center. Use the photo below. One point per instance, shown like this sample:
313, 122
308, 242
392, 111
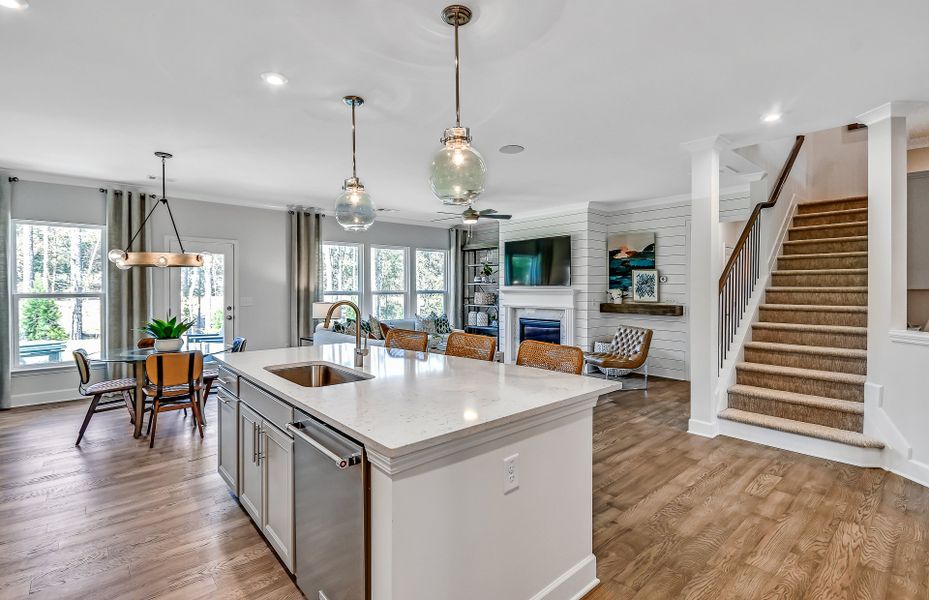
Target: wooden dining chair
552, 357
175, 380
407, 339
469, 345
95, 391
146, 342
212, 374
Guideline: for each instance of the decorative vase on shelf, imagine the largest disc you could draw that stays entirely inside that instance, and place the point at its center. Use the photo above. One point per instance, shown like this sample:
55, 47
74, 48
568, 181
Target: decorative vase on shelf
477, 279
169, 345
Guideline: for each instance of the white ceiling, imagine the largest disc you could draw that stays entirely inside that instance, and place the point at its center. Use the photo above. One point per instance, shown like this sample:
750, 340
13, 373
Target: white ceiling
601, 93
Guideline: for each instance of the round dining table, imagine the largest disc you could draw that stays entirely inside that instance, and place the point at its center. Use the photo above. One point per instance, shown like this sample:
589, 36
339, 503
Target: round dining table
136, 357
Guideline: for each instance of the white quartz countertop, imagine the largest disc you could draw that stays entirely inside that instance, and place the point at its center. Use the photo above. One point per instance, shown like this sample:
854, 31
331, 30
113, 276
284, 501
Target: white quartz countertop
416, 400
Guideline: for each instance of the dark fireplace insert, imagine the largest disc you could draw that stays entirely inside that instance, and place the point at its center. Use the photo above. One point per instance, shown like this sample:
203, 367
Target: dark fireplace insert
542, 330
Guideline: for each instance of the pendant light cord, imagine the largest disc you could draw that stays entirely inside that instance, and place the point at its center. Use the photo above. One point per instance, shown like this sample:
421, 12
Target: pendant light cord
354, 170
457, 79
163, 200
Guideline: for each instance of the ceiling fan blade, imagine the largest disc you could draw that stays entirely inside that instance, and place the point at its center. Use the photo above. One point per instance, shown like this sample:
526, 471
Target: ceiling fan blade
487, 211
501, 217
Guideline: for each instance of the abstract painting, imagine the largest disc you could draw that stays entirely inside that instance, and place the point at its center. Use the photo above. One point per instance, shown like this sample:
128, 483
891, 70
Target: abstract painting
645, 285
628, 251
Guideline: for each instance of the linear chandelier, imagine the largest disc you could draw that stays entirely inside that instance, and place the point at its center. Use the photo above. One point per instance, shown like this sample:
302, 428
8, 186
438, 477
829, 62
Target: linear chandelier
458, 170
125, 259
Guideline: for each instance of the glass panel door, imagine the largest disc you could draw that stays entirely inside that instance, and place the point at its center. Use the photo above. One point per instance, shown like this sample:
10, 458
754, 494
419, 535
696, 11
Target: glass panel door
205, 295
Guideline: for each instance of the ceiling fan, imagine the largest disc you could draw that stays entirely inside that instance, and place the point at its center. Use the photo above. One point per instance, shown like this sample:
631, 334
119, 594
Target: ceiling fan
471, 216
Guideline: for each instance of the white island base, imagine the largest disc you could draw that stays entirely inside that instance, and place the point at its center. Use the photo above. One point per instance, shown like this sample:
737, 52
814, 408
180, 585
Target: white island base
446, 529
480, 473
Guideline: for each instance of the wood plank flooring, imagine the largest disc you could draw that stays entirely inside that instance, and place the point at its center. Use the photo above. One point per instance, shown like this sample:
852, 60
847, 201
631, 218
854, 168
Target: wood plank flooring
675, 515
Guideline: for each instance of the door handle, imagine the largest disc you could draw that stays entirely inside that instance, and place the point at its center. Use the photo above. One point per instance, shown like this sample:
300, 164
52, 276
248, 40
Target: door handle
260, 434
228, 317
255, 443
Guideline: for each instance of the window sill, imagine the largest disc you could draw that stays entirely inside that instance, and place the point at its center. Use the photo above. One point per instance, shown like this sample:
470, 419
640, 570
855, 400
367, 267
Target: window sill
43, 370
915, 338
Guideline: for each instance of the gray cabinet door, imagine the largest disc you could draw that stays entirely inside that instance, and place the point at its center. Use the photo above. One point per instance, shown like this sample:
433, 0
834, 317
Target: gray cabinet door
277, 467
250, 480
228, 440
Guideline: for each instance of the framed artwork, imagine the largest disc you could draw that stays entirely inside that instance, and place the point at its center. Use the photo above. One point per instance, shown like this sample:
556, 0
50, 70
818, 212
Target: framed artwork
645, 285
626, 252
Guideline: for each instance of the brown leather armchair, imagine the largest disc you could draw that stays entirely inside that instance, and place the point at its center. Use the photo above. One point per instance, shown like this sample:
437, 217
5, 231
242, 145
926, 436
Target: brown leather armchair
625, 353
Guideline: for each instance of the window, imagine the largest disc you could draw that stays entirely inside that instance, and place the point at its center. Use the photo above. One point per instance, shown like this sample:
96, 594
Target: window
58, 296
388, 282
431, 285
342, 273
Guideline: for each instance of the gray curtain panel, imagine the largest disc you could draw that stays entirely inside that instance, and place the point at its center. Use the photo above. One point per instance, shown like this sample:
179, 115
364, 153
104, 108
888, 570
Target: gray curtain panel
305, 263
128, 293
6, 190
456, 237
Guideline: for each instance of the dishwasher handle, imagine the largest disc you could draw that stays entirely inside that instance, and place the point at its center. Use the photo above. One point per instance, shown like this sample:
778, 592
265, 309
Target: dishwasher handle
342, 460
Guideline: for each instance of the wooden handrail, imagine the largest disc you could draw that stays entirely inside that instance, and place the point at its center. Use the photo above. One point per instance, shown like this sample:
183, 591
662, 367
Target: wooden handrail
756, 212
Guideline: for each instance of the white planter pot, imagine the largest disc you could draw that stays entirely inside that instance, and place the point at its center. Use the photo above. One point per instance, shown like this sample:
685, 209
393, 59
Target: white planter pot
172, 345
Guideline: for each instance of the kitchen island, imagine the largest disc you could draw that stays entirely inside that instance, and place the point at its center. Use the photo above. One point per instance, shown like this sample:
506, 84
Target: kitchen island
478, 474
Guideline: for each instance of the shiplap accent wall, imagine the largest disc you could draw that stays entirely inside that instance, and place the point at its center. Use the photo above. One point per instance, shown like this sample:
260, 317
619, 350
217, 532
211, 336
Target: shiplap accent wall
589, 229
670, 222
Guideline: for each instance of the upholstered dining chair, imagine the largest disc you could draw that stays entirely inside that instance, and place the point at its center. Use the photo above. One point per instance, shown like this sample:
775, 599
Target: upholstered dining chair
625, 353
407, 339
469, 345
212, 374
175, 380
95, 391
552, 357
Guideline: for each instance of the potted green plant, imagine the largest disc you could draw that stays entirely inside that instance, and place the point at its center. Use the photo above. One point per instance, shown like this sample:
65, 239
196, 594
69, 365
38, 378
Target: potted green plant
486, 272
167, 333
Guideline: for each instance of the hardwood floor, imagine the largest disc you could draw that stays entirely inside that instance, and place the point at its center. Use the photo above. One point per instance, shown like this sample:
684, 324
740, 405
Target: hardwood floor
675, 515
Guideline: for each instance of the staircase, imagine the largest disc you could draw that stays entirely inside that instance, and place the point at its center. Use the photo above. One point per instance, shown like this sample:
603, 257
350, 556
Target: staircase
804, 370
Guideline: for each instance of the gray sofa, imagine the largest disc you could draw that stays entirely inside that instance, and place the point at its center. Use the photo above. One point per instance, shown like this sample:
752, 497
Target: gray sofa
323, 336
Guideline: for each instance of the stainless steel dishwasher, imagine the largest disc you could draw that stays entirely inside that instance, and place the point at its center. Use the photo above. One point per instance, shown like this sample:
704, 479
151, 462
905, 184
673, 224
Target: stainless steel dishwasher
331, 506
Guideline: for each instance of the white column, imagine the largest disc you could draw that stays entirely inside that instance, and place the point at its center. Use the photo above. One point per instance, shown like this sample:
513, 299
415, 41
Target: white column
887, 206
705, 267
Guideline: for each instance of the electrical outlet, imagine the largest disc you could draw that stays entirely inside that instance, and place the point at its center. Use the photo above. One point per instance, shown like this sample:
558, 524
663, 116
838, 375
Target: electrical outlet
510, 473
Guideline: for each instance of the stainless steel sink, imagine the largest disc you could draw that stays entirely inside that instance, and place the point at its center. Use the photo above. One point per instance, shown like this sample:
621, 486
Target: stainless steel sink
317, 374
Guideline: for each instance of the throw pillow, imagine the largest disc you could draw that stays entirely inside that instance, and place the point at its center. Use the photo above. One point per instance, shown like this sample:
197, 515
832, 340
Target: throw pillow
442, 324
426, 324
374, 326
338, 327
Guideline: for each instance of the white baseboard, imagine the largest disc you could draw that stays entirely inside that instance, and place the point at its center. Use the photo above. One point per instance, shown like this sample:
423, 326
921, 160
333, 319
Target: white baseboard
703, 428
572, 584
43, 397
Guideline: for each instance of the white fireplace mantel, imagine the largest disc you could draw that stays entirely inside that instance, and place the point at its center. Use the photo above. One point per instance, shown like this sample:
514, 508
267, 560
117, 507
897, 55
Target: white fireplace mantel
540, 302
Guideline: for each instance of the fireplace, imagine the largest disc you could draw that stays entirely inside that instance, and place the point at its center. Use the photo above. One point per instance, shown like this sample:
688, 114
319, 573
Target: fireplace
535, 303
542, 330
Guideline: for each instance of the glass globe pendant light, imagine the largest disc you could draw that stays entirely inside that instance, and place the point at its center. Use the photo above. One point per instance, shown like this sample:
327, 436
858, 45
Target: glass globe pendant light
458, 170
125, 259
354, 210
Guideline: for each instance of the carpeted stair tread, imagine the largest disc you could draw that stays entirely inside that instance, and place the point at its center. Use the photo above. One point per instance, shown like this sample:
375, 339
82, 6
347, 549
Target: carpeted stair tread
817, 350
848, 211
816, 308
817, 255
815, 328
822, 432
850, 238
824, 289
847, 406
828, 226
818, 206
820, 271
805, 374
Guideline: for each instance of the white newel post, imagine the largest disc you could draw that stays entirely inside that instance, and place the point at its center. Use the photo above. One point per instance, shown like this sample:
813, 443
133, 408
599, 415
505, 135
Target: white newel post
705, 267
887, 206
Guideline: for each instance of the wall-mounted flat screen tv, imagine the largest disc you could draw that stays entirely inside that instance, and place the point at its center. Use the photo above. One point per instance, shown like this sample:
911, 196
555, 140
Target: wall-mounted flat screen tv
540, 261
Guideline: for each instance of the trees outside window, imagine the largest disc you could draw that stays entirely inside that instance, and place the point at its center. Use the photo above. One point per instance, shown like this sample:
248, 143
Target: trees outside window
431, 282
58, 291
389, 282
341, 274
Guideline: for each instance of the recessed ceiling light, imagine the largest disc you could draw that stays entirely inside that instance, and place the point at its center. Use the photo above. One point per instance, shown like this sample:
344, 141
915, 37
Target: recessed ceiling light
17, 4
270, 78
772, 117
511, 149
